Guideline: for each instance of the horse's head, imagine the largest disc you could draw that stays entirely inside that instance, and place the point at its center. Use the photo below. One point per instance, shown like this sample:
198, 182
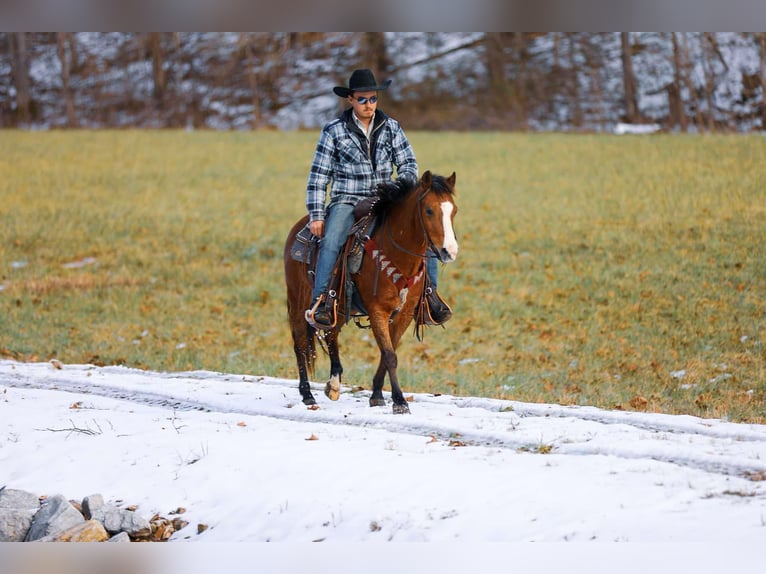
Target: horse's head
437, 211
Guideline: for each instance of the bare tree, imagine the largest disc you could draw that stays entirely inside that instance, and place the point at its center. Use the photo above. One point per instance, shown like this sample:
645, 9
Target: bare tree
707, 65
630, 85
762, 76
676, 105
20, 71
495, 61
158, 67
574, 83
374, 54
62, 38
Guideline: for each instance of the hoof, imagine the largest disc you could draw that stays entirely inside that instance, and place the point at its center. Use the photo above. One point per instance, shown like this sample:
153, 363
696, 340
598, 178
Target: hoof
401, 409
309, 400
332, 391
377, 402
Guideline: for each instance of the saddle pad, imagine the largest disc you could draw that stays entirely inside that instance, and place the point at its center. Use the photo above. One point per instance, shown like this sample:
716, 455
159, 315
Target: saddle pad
304, 246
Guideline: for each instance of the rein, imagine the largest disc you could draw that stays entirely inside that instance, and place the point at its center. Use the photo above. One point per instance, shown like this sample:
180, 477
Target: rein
430, 244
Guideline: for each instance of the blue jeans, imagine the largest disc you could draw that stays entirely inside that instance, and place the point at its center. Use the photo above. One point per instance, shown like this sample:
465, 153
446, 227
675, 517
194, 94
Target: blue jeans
337, 225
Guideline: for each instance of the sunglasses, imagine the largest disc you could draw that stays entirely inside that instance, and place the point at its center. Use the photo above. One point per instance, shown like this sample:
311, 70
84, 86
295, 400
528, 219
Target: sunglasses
371, 99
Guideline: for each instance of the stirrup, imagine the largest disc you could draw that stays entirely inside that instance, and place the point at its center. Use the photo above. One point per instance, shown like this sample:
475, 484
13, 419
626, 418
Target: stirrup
310, 314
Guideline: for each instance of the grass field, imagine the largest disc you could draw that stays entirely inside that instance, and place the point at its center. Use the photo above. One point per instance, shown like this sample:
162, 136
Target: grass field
617, 271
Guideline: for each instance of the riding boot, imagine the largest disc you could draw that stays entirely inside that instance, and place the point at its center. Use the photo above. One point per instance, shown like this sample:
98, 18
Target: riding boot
320, 315
438, 310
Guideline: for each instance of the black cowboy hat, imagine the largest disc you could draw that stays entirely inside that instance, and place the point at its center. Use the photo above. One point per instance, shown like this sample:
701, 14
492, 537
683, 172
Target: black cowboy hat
360, 81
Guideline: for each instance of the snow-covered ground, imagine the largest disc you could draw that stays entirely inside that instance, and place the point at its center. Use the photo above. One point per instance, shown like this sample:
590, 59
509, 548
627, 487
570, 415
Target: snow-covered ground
245, 457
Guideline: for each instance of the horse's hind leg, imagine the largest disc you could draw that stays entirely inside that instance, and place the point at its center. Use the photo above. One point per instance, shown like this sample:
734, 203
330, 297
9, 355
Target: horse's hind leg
304, 355
377, 400
332, 388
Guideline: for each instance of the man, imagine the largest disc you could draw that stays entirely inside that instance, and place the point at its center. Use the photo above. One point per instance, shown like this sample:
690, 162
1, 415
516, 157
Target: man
356, 151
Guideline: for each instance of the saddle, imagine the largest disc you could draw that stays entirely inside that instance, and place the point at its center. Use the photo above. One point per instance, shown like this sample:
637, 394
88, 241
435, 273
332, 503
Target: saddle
342, 292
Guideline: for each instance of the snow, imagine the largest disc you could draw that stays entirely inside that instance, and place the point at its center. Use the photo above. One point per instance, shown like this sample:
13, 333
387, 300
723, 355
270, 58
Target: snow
245, 457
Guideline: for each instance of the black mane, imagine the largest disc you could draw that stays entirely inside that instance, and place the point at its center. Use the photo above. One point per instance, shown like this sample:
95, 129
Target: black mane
392, 192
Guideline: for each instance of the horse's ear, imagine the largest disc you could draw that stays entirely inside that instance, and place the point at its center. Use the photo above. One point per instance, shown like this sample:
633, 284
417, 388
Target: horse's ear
451, 180
426, 179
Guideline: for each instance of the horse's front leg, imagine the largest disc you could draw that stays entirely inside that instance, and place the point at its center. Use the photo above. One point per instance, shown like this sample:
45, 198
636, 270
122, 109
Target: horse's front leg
332, 388
388, 364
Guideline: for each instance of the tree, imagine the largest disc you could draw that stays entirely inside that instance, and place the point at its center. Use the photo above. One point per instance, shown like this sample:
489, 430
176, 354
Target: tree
62, 38
762, 75
629, 82
159, 77
676, 106
20, 72
374, 54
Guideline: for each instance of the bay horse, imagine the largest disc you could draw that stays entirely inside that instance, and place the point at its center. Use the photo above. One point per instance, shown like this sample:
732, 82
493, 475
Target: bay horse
411, 221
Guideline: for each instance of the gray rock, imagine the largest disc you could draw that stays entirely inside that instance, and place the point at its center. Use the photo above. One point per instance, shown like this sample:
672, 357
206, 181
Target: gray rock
120, 520
19, 500
14, 524
55, 515
93, 507
120, 537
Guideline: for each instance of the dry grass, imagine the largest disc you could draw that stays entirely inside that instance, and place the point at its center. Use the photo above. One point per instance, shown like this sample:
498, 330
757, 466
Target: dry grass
622, 272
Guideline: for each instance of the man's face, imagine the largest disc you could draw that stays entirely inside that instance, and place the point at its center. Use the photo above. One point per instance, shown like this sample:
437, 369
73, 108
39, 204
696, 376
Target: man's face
364, 111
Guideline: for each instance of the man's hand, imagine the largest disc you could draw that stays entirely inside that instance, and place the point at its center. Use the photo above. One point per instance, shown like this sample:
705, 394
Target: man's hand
317, 228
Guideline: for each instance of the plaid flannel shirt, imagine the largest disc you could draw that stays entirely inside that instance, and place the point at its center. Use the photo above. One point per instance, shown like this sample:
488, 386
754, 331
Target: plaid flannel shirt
354, 169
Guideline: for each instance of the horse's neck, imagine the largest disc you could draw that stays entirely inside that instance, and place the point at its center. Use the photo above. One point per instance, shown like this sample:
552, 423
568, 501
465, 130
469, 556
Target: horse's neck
409, 242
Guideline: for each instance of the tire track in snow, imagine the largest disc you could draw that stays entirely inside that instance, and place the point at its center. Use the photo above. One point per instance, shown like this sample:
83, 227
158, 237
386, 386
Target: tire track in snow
472, 420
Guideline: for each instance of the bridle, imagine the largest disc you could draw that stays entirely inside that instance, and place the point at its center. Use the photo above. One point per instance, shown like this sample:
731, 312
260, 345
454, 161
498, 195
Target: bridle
429, 243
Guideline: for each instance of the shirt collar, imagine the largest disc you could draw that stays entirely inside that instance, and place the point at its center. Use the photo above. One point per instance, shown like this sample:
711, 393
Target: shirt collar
367, 131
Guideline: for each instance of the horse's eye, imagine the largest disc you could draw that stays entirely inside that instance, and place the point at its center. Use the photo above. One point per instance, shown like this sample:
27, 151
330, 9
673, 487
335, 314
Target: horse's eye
429, 211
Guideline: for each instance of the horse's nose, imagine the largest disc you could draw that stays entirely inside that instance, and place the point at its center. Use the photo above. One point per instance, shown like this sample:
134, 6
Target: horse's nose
448, 254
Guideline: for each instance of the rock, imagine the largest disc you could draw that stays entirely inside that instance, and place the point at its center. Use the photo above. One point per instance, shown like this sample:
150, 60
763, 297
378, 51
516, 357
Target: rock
119, 520
90, 531
120, 537
19, 499
14, 524
93, 507
55, 516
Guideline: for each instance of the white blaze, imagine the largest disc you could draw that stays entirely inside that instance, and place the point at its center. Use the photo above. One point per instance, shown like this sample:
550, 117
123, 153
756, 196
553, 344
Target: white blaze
450, 241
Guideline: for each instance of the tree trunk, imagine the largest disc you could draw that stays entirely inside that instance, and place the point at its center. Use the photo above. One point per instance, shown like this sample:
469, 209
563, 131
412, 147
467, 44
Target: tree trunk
374, 53
158, 67
762, 76
574, 84
690, 84
20, 63
252, 79
61, 40
675, 97
629, 80
520, 96
498, 92
709, 79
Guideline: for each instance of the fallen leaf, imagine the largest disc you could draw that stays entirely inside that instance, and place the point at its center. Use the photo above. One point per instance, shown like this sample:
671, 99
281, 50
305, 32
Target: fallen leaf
638, 402
56, 363
313, 407
241, 424
313, 437
454, 442
77, 405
